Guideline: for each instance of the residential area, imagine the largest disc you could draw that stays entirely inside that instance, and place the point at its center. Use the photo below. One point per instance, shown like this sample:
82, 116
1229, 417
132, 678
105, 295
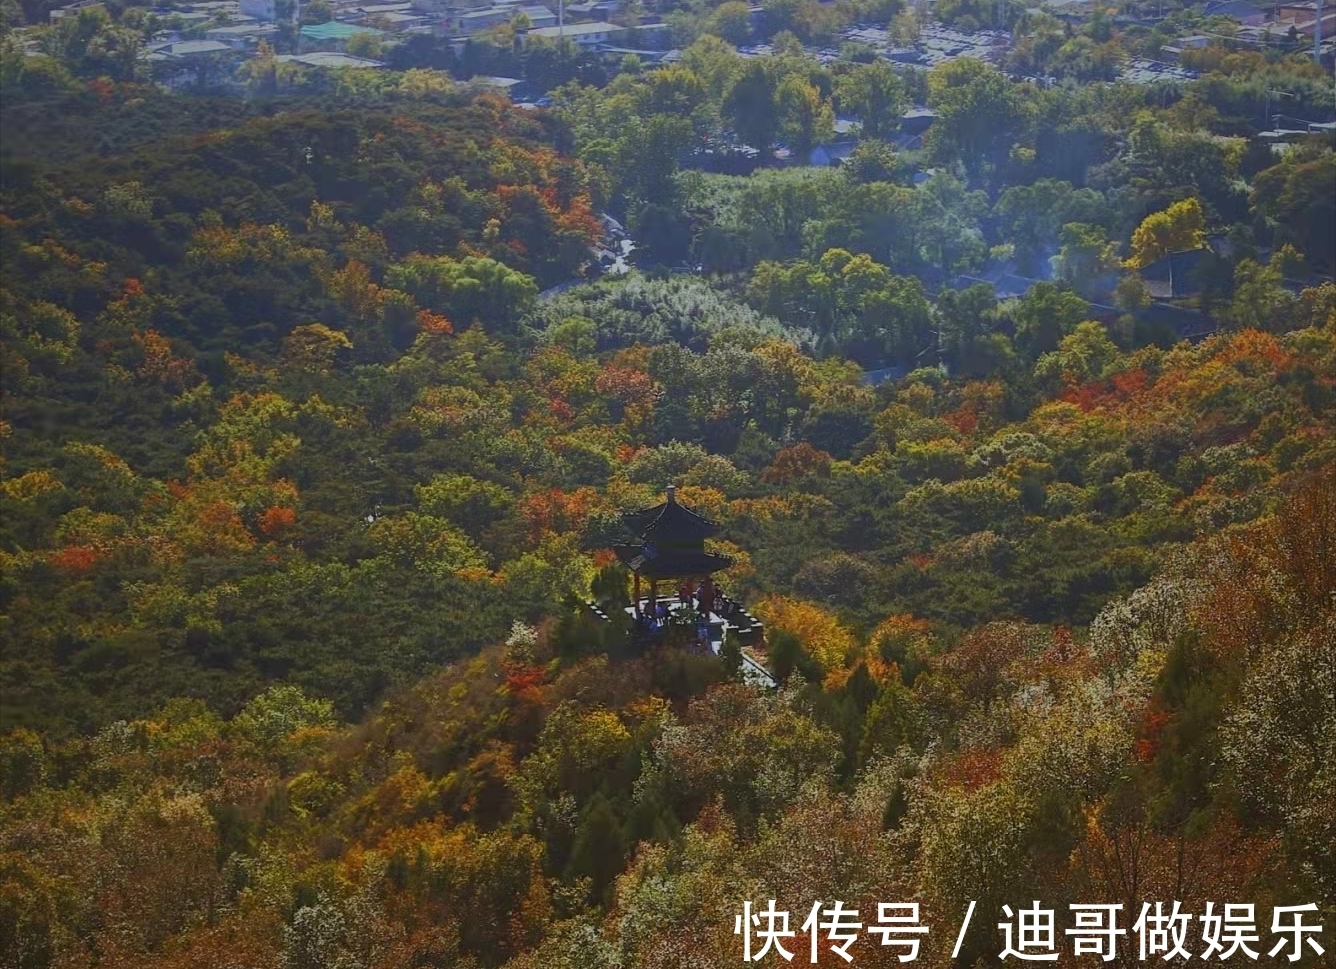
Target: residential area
859, 86
208, 43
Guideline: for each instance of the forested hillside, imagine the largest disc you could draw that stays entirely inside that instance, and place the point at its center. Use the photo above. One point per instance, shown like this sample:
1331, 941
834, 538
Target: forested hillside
304, 485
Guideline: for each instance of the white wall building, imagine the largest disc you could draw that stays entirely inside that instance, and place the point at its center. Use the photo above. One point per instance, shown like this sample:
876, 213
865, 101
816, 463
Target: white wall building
583, 35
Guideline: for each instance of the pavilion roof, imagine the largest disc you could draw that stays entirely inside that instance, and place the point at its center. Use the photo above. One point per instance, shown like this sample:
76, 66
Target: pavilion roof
670, 523
654, 562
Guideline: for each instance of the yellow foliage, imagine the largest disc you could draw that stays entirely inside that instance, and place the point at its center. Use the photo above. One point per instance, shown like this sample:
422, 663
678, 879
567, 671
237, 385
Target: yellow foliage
904, 629
314, 346
820, 633
646, 709
28, 486
705, 501
603, 733
1179, 227
108, 459
901, 635
478, 573
881, 672
403, 797
788, 361
742, 562
798, 505
248, 242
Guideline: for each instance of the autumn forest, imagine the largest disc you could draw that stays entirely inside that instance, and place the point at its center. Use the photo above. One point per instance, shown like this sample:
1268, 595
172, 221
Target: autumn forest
319, 422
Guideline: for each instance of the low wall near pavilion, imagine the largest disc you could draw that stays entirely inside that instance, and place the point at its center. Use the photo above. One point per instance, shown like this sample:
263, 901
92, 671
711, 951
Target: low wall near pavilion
597, 610
749, 630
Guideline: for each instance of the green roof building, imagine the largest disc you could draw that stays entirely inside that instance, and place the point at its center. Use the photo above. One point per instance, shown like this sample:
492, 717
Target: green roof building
334, 33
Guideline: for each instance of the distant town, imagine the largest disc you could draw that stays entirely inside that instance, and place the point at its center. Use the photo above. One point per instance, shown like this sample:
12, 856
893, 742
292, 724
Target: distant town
205, 44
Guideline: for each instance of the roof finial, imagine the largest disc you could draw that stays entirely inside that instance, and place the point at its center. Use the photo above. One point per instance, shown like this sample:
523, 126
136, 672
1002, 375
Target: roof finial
672, 493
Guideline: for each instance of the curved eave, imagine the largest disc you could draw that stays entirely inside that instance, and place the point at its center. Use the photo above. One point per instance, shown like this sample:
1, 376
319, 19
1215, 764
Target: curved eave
670, 563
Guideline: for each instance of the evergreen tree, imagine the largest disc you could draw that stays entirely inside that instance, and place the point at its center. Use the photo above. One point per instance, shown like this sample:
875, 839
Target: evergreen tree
599, 851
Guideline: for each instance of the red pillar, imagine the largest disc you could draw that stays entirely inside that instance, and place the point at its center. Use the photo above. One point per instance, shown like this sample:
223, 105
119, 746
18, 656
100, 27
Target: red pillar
653, 595
708, 595
637, 591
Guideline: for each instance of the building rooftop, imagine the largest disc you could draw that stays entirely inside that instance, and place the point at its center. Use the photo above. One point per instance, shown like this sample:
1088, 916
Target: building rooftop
670, 542
671, 519
874, 378
336, 30
1231, 8
188, 48
187, 16
669, 563
574, 30
1004, 285
832, 153
1140, 71
242, 30
1175, 276
329, 59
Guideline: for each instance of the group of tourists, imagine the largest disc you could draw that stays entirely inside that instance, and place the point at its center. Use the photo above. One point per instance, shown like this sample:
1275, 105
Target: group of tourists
654, 620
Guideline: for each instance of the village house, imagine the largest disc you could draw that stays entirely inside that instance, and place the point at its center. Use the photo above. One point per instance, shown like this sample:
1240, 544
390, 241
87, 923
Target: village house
1239, 11
588, 36
72, 9
264, 11
333, 35
331, 60
245, 36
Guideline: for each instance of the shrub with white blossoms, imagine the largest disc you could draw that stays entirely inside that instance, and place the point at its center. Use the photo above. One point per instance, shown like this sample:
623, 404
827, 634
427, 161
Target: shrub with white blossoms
1149, 619
523, 640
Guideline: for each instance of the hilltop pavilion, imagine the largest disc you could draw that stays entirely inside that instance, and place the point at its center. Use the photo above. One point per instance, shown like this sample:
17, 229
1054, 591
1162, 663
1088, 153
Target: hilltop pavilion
670, 546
